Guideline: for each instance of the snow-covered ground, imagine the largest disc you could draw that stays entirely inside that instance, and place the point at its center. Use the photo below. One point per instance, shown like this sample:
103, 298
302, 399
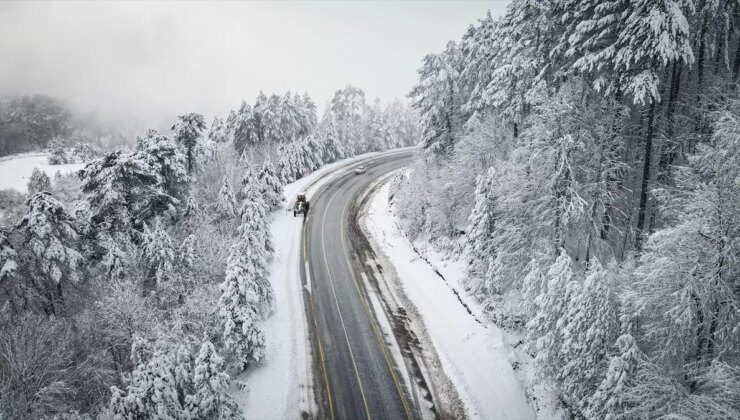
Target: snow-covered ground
476, 355
16, 170
282, 387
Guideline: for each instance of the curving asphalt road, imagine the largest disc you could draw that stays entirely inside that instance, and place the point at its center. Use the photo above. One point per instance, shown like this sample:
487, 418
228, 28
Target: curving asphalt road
356, 376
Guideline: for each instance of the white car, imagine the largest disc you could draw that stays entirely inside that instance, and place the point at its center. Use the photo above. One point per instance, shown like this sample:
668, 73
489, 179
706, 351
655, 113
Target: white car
360, 170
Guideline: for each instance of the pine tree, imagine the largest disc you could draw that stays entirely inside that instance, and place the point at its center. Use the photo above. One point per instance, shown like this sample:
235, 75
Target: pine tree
187, 132
38, 182
122, 191
238, 308
333, 149
211, 399
481, 223
51, 240
655, 33
217, 132
546, 326
608, 401
114, 260
186, 255
57, 152
159, 255
8, 264
8, 267
192, 209
226, 201
271, 187
437, 97
523, 42
479, 50
254, 219
589, 327
284, 170
158, 385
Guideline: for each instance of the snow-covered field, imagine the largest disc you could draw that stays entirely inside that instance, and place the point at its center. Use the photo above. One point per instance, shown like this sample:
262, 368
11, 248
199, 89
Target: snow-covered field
15, 170
476, 355
282, 387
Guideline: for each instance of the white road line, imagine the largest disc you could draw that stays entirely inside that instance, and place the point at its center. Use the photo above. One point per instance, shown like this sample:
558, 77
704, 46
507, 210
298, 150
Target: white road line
308, 278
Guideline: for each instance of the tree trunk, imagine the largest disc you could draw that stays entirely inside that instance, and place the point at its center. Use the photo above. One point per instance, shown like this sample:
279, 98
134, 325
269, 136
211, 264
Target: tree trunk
736, 66
700, 336
590, 234
190, 160
700, 58
642, 208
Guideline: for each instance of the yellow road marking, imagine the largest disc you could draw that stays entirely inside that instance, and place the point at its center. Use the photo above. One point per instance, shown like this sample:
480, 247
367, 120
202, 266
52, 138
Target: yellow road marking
372, 324
318, 333
336, 301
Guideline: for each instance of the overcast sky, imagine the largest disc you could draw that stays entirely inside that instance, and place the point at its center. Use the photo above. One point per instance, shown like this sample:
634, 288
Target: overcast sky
151, 61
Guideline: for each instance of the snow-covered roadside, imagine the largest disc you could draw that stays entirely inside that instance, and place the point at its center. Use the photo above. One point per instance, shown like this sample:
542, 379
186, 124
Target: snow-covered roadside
475, 354
282, 387
16, 170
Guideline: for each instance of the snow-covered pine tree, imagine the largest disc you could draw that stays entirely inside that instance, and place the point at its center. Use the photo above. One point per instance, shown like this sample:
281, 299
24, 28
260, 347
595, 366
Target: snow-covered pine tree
437, 98
192, 209
157, 387
8, 266
545, 328
312, 154
211, 399
217, 132
83, 152
159, 256
284, 169
254, 218
590, 325
167, 161
38, 182
186, 254
114, 260
333, 149
479, 49
187, 132
238, 307
271, 187
655, 33
57, 152
523, 41
226, 201
51, 245
481, 225
347, 107
608, 401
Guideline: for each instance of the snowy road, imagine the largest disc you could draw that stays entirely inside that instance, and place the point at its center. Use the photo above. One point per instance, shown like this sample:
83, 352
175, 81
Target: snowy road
357, 375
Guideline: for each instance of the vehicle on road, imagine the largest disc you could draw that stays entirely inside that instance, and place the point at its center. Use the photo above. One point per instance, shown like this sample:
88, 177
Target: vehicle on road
301, 205
360, 170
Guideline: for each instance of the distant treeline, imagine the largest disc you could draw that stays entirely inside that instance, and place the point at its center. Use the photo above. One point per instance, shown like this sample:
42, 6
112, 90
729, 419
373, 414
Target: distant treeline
30, 122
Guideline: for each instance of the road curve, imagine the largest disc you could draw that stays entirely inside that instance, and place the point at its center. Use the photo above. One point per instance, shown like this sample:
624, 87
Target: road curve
356, 377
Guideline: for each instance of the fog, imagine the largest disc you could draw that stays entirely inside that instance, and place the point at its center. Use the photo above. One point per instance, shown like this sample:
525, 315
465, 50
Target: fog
142, 63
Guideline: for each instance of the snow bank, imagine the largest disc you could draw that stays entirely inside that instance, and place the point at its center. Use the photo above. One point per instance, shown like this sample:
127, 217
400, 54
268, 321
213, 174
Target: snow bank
16, 170
282, 387
473, 353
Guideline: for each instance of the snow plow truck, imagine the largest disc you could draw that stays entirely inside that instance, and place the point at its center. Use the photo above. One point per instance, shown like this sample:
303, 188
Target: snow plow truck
301, 205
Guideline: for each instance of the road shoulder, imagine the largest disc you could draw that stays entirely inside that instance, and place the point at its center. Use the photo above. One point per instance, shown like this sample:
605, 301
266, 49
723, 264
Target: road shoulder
470, 364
